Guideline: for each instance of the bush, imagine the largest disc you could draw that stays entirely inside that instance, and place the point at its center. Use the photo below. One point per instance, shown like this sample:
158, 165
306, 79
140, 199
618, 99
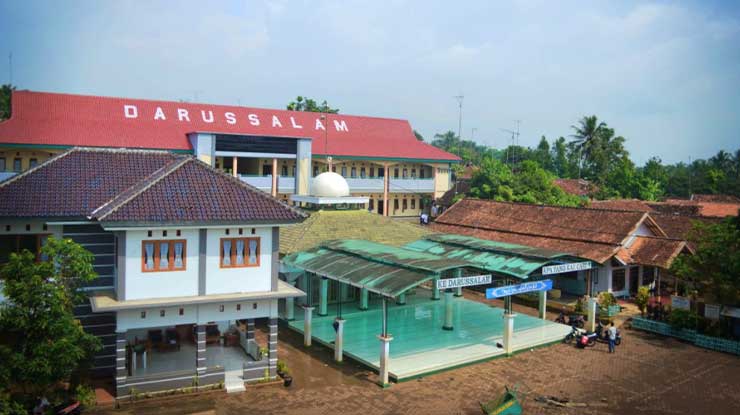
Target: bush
642, 298
86, 396
683, 319
606, 299
555, 294
580, 306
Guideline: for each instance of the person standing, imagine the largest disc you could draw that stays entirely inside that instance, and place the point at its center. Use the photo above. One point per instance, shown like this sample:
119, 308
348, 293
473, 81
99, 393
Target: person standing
612, 337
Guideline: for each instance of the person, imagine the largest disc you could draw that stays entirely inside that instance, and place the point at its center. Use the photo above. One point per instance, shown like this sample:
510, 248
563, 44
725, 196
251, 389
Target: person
612, 337
423, 218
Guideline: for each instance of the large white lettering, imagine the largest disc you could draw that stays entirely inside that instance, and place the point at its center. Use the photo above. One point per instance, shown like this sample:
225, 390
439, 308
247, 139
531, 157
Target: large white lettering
130, 111
159, 114
182, 114
276, 122
319, 125
230, 118
254, 119
341, 126
292, 121
208, 119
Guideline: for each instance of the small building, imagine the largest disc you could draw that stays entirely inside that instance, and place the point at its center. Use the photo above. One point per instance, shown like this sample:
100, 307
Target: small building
186, 256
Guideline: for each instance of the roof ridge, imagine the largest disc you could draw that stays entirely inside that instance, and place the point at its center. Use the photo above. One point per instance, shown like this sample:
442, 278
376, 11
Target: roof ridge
127, 195
549, 206
44, 164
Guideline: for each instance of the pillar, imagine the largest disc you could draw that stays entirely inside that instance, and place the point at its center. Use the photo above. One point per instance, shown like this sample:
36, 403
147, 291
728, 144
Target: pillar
290, 306
343, 291
304, 286
364, 294
591, 315
323, 296
200, 354
509, 333
250, 330
543, 305
307, 317
121, 370
339, 340
274, 188
448, 310
385, 340
272, 345
458, 274
435, 290
303, 167
235, 160
386, 189
401, 300
458, 292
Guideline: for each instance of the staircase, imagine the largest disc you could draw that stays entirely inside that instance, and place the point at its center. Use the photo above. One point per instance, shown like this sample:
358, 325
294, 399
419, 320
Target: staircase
234, 382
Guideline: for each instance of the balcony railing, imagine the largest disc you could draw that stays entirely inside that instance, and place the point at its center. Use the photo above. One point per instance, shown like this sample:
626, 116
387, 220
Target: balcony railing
286, 184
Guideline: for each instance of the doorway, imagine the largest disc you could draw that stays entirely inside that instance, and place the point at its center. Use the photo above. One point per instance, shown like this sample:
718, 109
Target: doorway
634, 280
381, 205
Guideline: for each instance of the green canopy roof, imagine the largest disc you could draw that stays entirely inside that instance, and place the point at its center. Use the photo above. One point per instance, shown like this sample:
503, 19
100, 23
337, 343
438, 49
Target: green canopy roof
515, 260
383, 269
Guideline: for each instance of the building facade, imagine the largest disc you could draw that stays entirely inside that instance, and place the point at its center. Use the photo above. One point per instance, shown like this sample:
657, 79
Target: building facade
276, 151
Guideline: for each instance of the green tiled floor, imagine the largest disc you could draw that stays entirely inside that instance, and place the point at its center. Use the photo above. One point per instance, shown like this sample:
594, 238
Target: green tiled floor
419, 344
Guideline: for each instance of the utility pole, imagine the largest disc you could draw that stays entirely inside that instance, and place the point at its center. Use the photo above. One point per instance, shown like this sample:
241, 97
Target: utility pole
459, 99
10, 68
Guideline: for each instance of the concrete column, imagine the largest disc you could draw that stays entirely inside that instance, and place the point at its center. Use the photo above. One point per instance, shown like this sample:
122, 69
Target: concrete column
509, 333
304, 287
364, 294
543, 305
274, 188
121, 370
384, 359
343, 291
323, 296
339, 340
235, 160
435, 290
401, 300
200, 355
272, 345
591, 315
307, 317
448, 310
250, 329
458, 274
290, 306
458, 292
386, 189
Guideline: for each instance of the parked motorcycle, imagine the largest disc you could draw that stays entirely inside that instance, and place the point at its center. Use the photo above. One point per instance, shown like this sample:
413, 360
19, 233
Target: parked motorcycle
572, 320
587, 339
572, 335
603, 334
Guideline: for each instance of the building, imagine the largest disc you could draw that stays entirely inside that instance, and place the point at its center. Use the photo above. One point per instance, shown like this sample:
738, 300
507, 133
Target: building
577, 187
277, 151
628, 248
185, 255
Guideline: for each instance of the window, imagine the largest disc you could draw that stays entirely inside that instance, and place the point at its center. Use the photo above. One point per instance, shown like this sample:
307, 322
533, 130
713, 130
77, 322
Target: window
395, 204
158, 256
344, 171
334, 169
354, 172
284, 170
362, 172
372, 204
405, 173
421, 173
618, 279
395, 173
17, 166
315, 171
240, 252
413, 203
381, 172
405, 205
17, 243
372, 171
2, 164
413, 173
32, 163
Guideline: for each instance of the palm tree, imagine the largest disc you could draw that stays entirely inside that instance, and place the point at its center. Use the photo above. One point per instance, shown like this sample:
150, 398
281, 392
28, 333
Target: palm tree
586, 132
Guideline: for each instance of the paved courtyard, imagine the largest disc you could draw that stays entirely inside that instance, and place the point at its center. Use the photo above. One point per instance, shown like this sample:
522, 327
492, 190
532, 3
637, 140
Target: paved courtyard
648, 375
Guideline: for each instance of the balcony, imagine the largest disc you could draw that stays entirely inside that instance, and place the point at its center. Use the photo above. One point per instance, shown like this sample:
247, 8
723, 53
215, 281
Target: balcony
286, 184
356, 184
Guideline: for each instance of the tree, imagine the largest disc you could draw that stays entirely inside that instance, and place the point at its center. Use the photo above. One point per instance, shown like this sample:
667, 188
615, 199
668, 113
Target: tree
418, 136
309, 105
6, 91
642, 298
543, 156
41, 343
714, 269
586, 132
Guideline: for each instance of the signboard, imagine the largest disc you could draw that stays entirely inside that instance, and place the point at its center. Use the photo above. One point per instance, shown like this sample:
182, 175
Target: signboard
463, 281
680, 302
562, 268
711, 311
508, 290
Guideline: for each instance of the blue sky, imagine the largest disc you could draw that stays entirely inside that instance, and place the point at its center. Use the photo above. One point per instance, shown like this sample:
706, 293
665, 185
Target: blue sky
665, 75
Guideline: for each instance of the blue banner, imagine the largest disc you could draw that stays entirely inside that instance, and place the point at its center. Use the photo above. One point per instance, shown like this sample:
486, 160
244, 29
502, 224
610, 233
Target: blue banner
508, 290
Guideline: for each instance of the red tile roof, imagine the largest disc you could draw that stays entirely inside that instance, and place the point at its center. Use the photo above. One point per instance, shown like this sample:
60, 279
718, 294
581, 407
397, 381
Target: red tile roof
634, 205
138, 187
659, 252
715, 198
50, 119
577, 187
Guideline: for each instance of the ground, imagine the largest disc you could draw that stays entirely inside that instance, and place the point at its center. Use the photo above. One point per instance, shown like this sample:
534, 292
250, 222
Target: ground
649, 374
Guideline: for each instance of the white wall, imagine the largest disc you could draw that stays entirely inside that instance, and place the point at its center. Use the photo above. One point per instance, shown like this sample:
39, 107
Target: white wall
248, 279
141, 285
18, 227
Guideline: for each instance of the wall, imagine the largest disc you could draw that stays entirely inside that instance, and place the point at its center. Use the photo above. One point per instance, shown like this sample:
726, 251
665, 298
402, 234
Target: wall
442, 177
228, 280
141, 285
25, 155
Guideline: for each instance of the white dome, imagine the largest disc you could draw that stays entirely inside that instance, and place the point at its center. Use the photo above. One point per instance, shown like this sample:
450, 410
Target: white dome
329, 184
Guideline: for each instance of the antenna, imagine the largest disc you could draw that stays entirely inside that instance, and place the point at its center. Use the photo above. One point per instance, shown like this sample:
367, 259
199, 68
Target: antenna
10, 67
514, 143
459, 99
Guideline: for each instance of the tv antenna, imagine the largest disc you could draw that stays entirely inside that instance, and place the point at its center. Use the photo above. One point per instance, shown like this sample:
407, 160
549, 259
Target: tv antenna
514, 143
459, 99
10, 68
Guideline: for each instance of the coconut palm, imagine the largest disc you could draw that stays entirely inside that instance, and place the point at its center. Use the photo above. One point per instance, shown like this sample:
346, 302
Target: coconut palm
586, 133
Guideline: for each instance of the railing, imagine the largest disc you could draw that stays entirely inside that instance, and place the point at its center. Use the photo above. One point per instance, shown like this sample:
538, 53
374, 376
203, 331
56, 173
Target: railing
700, 340
286, 184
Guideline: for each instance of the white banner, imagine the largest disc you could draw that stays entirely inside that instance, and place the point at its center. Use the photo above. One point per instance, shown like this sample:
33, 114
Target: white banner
680, 302
559, 269
711, 311
463, 281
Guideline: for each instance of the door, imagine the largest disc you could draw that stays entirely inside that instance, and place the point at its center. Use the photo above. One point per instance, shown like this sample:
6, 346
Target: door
381, 205
634, 281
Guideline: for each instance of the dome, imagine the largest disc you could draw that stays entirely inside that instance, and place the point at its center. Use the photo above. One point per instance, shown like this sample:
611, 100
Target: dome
329, 184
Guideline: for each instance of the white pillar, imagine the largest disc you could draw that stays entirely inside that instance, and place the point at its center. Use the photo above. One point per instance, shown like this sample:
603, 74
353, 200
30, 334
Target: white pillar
458, 292
509, 333
448, 310
307, 316
339, 340
592, 315
384, 359
543, 305
290, 306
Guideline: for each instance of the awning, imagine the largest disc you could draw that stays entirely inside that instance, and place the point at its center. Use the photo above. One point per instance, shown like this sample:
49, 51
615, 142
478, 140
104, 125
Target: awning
510, 259
382, 269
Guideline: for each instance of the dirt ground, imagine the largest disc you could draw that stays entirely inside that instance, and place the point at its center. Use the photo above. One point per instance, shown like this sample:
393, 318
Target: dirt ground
648, 375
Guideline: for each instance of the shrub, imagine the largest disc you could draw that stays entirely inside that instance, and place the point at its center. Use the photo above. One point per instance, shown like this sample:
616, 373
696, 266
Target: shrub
642, 298
683, 319
607, 299
86, 396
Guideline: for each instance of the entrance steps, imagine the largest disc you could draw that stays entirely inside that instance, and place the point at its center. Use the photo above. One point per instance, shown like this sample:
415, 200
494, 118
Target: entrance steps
234, 382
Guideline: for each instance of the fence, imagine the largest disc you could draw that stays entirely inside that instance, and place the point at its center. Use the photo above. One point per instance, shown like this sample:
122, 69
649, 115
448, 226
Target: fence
700, 340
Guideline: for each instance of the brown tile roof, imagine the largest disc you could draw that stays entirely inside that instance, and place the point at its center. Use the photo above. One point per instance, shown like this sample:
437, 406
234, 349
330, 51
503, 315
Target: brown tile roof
578, 187
679, 226
714, 209
138, 187
674, 209
659, 252
716, 198
589, 233
460, 187
634, 205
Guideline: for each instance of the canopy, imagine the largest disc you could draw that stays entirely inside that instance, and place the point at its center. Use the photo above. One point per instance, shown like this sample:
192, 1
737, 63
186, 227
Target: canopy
510, 259
383, 269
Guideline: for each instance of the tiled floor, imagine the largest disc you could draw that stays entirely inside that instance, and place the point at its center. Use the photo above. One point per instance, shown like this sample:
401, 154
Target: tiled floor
231, 358
419, 344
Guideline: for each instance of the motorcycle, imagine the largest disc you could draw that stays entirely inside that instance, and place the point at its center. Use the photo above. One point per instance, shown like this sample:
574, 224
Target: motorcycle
572, 335
584, 340
603, 335
573, 320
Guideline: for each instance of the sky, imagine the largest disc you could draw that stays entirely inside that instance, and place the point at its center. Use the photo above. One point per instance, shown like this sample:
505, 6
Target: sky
664, 75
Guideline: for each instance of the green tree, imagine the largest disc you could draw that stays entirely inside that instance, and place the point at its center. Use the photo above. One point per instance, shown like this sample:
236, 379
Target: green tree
560, 158
41, 343
310, 105
6, 91
714, 269
642, 298
418, 136
543, 155
587, 131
